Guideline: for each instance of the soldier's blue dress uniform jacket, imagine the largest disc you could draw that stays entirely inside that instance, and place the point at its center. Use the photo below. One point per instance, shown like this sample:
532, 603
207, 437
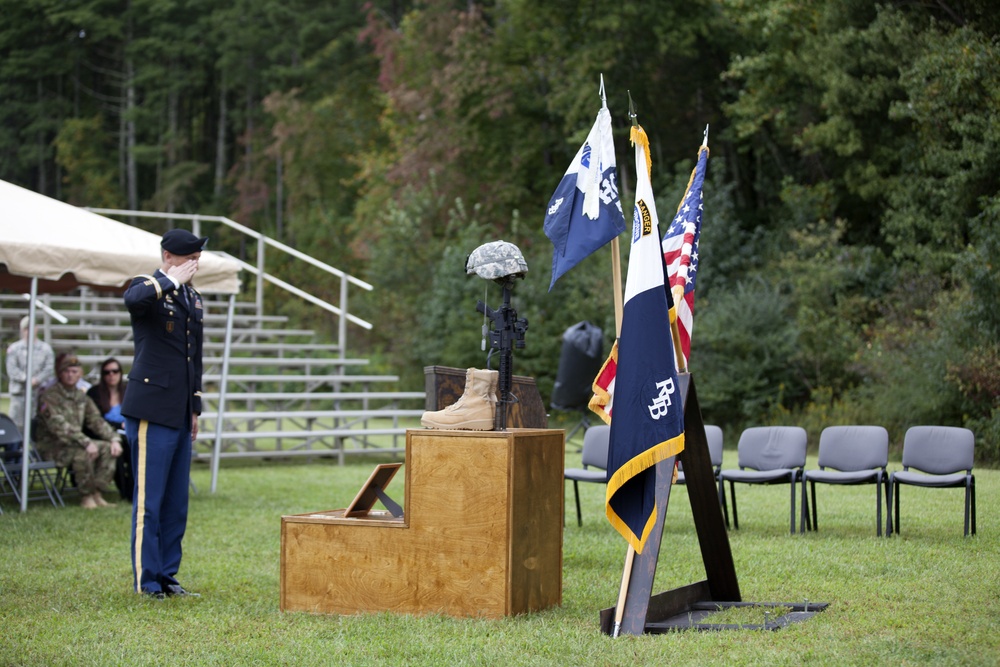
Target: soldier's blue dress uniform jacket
164, 390
165, 380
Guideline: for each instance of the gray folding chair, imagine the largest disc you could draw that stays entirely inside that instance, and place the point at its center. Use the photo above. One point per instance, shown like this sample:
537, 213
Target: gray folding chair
714, 435
595, 462
946, 454
768, 455
852, 455
39, 471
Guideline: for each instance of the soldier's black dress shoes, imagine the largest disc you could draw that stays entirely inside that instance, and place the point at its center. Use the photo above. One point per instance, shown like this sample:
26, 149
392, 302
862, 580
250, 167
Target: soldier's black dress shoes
156, 595
176, 590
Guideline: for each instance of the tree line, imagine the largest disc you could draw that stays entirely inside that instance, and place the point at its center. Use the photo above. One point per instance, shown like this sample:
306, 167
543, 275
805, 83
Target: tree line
849, 248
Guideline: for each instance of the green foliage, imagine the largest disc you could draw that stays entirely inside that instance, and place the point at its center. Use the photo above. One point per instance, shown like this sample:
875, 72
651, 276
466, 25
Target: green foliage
88, 172
906, 363
745, 345
447, 325
973, 368
979, 267
949, 169
987, 430
833, 289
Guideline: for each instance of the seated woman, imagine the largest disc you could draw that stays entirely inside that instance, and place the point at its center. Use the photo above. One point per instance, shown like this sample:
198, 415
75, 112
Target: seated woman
108, 394
63, 413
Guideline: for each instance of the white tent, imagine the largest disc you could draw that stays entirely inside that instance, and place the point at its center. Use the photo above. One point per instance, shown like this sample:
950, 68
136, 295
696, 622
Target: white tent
65, 246
50, 246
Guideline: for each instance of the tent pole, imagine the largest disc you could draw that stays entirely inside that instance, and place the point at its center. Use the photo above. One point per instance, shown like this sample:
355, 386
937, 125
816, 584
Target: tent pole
29, 392
226, 349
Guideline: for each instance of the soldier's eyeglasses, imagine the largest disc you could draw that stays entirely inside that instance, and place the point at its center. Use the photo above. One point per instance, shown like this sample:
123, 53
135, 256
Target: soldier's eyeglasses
111, 371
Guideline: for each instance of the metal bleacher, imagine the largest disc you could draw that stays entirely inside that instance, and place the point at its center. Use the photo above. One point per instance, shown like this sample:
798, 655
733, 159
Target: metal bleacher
288, 393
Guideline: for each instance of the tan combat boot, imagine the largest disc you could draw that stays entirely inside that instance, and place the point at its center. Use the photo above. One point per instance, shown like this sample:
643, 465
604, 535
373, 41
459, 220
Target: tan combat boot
494, 381
474, 411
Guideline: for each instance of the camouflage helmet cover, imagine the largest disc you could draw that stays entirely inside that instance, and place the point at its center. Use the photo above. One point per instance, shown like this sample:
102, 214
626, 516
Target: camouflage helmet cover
496, 260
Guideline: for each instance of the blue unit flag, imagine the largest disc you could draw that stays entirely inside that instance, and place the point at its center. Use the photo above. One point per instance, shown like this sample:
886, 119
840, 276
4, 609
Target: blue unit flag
584, 212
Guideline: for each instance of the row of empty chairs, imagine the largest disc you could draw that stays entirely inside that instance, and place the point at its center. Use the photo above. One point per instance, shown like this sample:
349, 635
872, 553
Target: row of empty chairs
848, 455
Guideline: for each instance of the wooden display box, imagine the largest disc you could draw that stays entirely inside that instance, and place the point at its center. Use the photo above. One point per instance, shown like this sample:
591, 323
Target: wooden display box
444, 385
481, 533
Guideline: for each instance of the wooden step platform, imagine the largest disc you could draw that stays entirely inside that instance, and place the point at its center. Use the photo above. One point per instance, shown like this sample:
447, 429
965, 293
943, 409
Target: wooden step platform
480, 534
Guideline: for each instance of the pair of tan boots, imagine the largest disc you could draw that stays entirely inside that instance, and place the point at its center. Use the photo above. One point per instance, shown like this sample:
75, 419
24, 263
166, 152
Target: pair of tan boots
93, 501
475, 410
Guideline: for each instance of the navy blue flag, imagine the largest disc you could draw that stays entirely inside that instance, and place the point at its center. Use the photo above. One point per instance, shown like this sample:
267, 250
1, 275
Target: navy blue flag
648, 422
584, 212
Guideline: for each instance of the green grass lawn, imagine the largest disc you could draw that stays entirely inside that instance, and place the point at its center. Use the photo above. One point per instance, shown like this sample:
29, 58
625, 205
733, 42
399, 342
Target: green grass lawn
929, 596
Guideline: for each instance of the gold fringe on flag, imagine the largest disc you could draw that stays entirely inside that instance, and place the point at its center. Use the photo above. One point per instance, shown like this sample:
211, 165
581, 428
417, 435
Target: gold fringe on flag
638, 136
630, 469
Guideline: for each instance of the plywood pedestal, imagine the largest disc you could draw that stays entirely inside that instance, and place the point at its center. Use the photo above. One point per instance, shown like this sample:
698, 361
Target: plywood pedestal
481, 534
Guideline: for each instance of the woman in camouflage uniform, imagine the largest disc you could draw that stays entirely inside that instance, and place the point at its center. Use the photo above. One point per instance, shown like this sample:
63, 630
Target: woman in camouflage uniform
63, 412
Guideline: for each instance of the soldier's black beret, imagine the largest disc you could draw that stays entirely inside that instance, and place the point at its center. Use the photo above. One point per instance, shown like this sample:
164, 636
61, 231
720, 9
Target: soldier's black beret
182, 242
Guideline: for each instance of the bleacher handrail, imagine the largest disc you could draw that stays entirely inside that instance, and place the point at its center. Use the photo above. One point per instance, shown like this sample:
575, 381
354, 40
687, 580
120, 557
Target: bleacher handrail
262, 241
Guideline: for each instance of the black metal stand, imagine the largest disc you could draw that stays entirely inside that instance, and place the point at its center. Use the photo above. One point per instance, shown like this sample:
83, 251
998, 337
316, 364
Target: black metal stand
684, 607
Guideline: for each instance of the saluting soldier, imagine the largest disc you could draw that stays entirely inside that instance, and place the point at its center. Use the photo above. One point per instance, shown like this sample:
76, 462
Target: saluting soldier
63, 412
161, 409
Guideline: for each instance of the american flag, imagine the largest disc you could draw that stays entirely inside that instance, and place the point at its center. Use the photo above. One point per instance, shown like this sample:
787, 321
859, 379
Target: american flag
680, 254
680, 251
602, 402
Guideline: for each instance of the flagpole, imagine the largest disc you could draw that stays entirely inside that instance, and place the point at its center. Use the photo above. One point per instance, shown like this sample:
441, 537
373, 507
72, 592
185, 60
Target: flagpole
616, 279
616, 269
616, 258
675, 333
619, 314
623, 591
681, 367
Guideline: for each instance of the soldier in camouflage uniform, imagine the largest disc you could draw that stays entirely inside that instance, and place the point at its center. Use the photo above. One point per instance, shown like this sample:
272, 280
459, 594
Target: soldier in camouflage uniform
63, 413
42, 364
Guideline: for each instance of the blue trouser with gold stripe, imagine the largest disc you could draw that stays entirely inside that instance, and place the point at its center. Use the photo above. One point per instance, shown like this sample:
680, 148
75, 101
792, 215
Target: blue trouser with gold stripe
161, 461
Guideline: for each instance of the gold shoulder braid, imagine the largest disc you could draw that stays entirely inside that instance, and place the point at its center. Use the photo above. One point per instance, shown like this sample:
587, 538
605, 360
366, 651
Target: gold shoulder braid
150, 280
